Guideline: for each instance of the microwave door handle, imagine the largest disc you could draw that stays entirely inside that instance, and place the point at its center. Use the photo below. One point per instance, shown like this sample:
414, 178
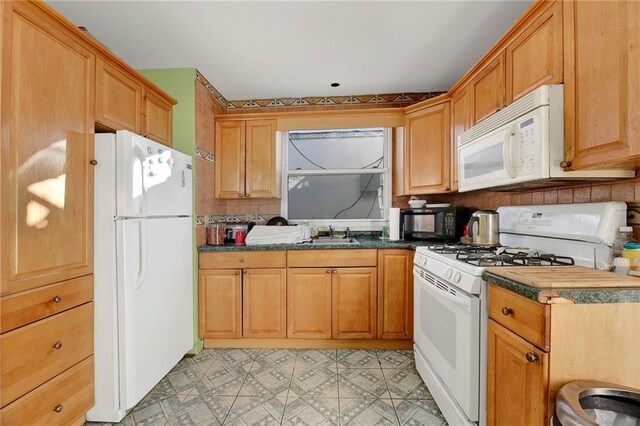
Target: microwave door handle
507, 152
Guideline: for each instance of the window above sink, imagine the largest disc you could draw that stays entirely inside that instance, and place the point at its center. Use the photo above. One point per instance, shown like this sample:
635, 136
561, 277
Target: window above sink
337, 177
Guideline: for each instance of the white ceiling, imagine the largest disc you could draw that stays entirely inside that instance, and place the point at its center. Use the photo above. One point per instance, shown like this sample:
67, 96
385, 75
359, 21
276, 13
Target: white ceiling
268, 49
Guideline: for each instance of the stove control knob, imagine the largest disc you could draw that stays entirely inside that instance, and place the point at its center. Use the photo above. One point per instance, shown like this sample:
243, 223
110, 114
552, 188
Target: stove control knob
423, 261
448, 273
150, 150
456, 277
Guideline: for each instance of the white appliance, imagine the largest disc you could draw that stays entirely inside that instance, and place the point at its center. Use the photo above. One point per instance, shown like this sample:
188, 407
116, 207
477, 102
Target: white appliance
524, 142
143, 268
450, 296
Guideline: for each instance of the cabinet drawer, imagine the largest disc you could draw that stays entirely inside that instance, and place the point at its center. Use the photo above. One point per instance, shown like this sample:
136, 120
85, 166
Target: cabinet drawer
329, 258
37, 352
525, 317
60, 401
243, 259
33, 305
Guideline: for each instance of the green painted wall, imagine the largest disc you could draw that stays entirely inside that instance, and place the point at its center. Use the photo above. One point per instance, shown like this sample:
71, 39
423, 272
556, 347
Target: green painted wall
180, 84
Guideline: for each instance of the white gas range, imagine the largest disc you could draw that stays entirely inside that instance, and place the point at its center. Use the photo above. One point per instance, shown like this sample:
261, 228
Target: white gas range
450, 296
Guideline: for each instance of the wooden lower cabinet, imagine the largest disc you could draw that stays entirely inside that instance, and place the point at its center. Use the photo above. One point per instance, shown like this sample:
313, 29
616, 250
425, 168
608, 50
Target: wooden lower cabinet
264, 296
63, 400
309, 303
220, 303
353, 303
517, 379
535, 348
395, 294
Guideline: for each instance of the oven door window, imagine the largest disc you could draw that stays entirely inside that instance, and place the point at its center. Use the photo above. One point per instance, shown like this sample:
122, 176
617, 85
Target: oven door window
446, 329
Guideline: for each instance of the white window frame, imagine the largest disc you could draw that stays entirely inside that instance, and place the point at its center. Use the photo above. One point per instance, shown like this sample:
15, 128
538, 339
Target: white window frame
340, 224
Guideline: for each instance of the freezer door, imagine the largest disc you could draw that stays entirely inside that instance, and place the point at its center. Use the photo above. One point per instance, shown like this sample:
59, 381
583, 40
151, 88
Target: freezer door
153, 180
155, 301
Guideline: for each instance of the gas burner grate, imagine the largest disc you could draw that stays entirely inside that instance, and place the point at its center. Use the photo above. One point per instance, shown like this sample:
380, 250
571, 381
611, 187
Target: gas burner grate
462, 249
516, 259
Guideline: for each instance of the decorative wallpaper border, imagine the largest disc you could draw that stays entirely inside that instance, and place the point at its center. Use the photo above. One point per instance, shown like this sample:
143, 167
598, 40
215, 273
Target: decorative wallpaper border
209, 219
205, 155
315, 101
216, 94
311, 101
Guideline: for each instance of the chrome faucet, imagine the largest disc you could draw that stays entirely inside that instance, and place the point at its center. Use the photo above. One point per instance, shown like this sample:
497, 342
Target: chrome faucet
348, 234
331, 231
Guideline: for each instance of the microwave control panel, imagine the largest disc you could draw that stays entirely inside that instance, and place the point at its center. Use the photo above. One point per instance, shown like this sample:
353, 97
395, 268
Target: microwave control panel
528, 149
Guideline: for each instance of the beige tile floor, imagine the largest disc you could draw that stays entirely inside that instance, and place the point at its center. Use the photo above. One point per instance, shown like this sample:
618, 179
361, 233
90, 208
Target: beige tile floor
290, 387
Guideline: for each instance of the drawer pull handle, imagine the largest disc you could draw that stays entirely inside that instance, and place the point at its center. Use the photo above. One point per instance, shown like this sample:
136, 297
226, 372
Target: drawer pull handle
241, 260
57, 345
58, 408
531, 357
57, 299
507, 311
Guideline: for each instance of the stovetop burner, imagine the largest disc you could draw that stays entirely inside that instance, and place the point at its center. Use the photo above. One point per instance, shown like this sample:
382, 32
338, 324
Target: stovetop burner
501, 256
462, 248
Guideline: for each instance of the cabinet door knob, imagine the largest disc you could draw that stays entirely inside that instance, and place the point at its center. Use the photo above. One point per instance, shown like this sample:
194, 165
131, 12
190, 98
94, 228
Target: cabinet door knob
335, 271
58, 408
57, 299
246, 195
531, 357
241, 195
244, 272
565, 163
237, 272
241, 260
328, 271
507, 311
93, 162
57, 345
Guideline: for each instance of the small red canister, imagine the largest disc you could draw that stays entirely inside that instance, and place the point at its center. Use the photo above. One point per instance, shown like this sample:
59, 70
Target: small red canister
240, 238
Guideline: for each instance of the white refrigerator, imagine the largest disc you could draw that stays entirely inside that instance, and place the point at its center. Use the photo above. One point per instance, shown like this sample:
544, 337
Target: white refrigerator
143, 268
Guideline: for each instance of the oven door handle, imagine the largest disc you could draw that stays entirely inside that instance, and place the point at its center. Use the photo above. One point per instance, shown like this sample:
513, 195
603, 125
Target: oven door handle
463, 301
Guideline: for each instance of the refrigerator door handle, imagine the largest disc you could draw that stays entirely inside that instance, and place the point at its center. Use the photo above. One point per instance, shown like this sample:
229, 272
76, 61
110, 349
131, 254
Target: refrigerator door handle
142, 246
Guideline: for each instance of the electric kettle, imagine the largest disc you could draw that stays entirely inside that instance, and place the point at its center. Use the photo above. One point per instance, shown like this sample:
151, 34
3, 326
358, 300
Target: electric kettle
484, 228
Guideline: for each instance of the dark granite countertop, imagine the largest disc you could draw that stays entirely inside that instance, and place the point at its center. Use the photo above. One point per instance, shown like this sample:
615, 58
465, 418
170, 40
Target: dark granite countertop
365, 242
579, 296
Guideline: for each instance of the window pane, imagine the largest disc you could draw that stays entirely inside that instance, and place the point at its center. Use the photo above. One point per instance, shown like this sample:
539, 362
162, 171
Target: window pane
336, 197
336, 149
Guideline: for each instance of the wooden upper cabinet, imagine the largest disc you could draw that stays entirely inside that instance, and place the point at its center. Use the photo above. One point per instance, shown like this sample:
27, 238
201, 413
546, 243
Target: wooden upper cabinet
395, 294
488, 91
118, 98
353, 303
397, 168
461, 120
534, 57
264, 306
220, 303
247, 159
157, 118
517, 380
261, 159
230, 141
309, 303
47, 118
427, 147
602, 84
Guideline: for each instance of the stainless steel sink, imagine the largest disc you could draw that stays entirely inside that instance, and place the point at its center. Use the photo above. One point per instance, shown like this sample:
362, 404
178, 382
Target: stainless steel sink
333, 240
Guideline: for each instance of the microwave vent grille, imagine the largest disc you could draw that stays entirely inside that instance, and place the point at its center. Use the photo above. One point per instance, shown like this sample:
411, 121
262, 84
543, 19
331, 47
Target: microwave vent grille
533, 100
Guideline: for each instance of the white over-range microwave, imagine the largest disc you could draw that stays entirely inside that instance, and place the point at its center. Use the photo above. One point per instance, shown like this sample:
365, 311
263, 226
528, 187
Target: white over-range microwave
521, 144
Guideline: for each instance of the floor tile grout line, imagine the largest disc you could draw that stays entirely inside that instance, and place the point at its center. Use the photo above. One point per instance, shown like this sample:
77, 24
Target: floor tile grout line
239, 390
